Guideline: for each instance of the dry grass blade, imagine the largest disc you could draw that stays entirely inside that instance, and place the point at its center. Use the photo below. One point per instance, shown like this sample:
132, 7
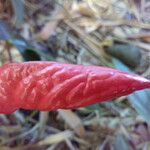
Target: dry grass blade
73, 121
96, 47
70, 145
144, 36
123, 22
56, 138
42, 121
147, 72
10, 129
32, 130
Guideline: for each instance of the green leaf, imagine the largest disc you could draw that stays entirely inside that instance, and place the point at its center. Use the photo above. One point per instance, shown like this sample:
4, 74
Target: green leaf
28, 52
93, 107
31, 55
127, 53
140, 100
120, 66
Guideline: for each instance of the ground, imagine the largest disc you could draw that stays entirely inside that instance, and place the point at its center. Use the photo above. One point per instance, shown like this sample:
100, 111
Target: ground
113, 33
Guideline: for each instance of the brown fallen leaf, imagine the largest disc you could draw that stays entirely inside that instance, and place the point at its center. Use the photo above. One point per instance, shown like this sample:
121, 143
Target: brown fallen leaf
92, 8
83, 9
73, 121
50, 27
140, 134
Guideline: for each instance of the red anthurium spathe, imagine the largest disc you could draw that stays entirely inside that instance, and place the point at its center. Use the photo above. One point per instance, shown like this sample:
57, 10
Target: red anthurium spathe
52, 85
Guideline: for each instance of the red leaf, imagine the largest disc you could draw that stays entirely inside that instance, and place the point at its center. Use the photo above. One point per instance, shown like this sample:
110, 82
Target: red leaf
52, 85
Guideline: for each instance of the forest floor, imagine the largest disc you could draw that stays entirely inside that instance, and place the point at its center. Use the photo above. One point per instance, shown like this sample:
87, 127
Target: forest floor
112, 33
